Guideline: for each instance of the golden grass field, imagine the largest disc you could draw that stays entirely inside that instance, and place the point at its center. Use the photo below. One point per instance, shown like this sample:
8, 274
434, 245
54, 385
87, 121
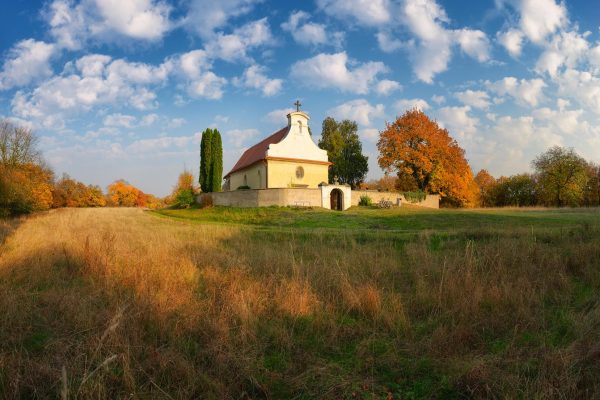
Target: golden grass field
122, 303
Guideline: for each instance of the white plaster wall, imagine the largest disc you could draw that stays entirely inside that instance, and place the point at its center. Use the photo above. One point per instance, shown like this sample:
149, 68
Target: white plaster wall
326, 193
297, 143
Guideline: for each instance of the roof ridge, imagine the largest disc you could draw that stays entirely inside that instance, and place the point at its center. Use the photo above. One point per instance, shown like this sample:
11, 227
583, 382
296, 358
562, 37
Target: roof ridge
258, 151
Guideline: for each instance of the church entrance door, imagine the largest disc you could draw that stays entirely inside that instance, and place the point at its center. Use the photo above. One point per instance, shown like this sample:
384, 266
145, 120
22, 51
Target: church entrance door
336, 200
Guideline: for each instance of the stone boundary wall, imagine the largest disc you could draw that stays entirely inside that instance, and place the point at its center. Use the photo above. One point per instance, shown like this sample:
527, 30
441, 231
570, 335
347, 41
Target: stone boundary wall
431, 201
301, 197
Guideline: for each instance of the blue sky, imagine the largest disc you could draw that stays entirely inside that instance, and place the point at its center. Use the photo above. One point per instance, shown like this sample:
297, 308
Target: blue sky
123, 88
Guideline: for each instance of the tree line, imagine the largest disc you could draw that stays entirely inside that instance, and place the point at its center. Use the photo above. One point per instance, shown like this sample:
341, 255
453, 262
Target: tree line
28, 184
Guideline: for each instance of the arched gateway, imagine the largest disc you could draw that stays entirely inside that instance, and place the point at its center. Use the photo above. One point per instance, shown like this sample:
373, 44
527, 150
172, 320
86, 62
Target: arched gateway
336, 200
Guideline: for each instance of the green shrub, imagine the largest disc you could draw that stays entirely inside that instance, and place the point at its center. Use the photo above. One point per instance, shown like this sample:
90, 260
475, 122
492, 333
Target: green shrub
184, 198
414, 197
365, 201
243, 187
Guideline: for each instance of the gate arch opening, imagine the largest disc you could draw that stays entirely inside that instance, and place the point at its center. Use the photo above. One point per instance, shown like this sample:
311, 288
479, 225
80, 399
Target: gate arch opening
336, 198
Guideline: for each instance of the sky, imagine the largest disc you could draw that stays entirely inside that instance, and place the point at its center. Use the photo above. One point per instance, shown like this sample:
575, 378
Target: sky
123, 88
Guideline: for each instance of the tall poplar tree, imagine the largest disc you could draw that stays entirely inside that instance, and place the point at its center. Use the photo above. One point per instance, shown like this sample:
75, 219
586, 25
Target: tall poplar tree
206, 160
216, 161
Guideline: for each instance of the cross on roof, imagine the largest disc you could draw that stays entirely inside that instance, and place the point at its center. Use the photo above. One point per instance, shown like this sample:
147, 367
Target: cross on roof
297, 104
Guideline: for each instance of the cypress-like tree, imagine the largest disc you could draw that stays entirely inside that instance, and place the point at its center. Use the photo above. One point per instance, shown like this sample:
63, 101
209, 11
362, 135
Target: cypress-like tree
217, 161
206, 160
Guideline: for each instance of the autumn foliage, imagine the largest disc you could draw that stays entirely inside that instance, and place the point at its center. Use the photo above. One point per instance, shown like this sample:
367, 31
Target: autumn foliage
123, 194
424, 156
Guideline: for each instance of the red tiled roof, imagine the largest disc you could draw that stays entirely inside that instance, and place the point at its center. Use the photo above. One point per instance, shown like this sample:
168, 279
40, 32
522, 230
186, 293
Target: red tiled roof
258, 151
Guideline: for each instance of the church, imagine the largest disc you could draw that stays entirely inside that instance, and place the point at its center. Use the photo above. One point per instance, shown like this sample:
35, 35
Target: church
289, 158
287, 168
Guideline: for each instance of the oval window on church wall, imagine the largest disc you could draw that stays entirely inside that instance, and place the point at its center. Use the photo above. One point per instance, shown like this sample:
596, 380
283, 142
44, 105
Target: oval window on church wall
299, 172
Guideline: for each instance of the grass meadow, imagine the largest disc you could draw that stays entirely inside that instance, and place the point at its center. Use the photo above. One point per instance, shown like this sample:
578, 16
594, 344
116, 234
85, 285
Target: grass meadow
301, 304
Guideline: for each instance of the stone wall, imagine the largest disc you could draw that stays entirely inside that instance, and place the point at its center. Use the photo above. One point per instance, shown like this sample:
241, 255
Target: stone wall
431, 201
265, 197
303, 197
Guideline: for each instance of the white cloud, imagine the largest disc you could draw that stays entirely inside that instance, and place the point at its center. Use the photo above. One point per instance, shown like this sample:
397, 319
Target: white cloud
195, 67
474, 98
474, 43
458, 121
536, 20
73, 23
309, 33
525, 92
176, 123
385, 87
403, 105
122, 120
359, 110
581, 86
365, 12
564, 121
512, 40
153, 145
539, 18
239, 137
278, 117
389, 44
206, 16
369, 134
90, 81
438, 99
332, 71
149, 119
565, 49
234, 46
254, 78
432, 51
26, 62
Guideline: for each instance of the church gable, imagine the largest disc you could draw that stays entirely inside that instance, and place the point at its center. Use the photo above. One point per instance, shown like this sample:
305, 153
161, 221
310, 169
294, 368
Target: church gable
297, 143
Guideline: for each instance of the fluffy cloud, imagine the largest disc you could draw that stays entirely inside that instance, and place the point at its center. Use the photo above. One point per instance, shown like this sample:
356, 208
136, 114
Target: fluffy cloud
235, 46
73, 23
359, 110
204, 17
310, 33
385, 87
582, 86
195, 67
239, 137
474, 98
278, 117
153, 145
512, 40
533, 23
120, 120
565, 49
458, 121
474, 43
332, 71
525, 92
403, 105
27, 61
90, 81
365, 12
431, 51
254, 78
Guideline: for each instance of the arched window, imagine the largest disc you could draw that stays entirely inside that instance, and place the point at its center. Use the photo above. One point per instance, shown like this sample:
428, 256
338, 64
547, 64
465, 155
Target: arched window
245, 180
299, 172
300, 125
259, 180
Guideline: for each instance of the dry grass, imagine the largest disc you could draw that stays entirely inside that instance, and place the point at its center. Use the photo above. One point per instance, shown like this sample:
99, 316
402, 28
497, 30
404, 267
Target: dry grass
115, 303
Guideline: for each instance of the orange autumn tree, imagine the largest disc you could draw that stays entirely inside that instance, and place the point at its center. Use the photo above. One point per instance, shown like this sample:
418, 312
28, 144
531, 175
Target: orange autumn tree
486, 184
424, 156
123, 194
